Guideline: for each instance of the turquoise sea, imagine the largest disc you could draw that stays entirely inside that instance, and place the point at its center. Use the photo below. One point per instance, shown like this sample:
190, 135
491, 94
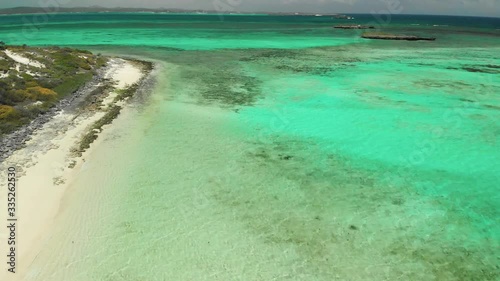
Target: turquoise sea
279, 148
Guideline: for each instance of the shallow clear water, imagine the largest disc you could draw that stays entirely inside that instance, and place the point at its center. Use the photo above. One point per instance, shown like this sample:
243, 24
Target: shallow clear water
278, 148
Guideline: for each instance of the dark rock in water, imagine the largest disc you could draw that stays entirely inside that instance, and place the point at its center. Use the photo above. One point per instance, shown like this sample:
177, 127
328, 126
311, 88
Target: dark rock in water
466, 100
493, 66
472, 69
492, 106
396, 37
354, 26
480, 70
490, 69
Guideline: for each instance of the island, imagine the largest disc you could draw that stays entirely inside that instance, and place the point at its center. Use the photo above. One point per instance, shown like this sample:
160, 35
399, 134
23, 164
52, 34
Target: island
346, 17
385, 36
354, 26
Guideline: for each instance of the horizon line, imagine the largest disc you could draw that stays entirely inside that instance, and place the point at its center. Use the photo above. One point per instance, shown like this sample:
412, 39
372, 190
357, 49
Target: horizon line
44, 9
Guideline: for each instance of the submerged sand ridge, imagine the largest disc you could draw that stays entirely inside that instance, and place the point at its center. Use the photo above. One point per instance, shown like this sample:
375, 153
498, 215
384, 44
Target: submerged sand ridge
46, 164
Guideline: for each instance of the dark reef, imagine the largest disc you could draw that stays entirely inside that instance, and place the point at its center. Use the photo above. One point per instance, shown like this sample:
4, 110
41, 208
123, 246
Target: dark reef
382, 36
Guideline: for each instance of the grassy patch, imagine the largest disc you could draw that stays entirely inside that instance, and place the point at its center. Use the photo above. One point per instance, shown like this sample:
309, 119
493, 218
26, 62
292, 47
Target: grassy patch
69, 86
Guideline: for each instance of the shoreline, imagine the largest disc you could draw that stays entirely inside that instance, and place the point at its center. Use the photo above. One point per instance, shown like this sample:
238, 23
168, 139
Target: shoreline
45, 157
16, 140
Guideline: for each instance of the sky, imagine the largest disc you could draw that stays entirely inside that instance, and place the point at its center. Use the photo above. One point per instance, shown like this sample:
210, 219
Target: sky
444, 7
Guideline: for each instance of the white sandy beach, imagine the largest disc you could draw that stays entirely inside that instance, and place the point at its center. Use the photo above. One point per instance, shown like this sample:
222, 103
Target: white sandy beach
43, 173
23, 60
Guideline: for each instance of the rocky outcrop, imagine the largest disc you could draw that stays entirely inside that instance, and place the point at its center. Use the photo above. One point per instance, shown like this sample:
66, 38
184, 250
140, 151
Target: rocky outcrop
354, 26
396, 37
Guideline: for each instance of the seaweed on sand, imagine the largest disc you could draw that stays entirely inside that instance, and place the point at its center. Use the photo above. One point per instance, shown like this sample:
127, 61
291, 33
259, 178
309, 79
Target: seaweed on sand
271, 54
447, 262
126, 93
226, 88
336, 217
91, 136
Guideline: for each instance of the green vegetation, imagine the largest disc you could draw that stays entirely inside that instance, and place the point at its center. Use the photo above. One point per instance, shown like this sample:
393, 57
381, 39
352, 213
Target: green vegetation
70, 86
27, 90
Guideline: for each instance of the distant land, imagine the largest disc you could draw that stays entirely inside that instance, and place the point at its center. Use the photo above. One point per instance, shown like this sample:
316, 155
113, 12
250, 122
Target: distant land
98, 9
